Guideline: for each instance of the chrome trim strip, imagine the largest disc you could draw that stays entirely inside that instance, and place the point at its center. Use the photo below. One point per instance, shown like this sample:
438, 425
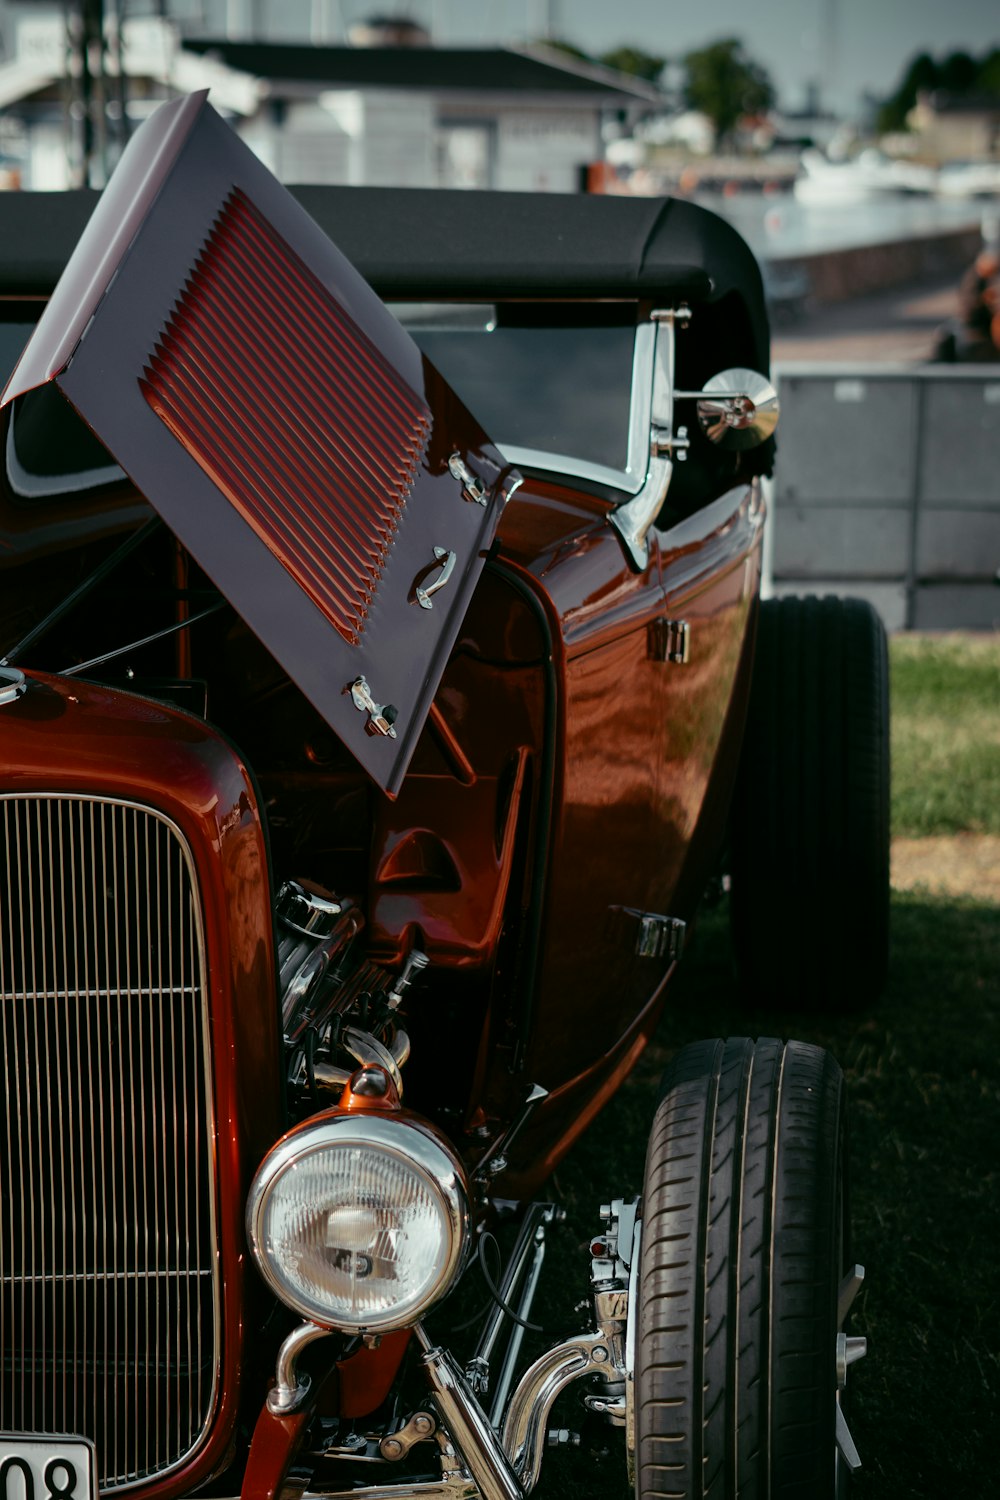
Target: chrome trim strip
536, 1215
505, 1379
65, 921
633, 518
291, 1387
12, 684
454, 1486
104, 1276
565, 466
643, 386
97, 993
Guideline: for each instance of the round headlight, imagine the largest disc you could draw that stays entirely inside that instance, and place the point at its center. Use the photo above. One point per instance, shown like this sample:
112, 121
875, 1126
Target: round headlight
359, 1222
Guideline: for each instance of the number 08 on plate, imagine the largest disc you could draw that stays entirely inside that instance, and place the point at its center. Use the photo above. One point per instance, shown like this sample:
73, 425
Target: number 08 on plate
47, 1467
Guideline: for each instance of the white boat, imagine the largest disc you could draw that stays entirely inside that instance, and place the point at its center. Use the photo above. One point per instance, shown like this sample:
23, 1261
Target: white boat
870, 175
969, 179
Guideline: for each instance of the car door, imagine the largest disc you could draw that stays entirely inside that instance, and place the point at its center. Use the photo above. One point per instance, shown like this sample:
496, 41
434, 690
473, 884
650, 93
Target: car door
710, 573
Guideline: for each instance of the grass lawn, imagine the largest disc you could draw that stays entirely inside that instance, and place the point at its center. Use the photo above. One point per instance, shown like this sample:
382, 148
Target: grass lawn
946, 734
923, 1072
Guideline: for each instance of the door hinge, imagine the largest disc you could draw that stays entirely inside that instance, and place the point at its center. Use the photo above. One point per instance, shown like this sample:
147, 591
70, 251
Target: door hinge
669, 640
381, 717
473, 487
659, 937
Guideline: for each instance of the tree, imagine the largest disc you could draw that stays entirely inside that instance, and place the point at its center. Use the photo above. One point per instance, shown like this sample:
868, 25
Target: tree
988, 81
958, 74
922, 76
725, 85
633, 60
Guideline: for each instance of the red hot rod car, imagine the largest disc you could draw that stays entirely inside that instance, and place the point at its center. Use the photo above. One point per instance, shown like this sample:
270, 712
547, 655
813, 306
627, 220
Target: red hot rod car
360, 774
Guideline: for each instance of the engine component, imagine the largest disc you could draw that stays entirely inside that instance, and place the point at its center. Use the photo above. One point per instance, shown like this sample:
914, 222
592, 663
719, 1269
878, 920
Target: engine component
303, 918
314, 932
337, 1011
418, 1427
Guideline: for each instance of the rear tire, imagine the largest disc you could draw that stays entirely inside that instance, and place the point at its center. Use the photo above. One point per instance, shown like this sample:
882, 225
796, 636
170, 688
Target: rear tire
810, 828
742, 1254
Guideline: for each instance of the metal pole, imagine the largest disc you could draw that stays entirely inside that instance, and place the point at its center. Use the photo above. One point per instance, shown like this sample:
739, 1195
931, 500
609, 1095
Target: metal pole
88, 93
920, 404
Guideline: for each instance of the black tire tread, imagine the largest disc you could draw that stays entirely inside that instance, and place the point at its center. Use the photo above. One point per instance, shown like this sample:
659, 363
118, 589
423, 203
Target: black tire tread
734, 1378
810, 827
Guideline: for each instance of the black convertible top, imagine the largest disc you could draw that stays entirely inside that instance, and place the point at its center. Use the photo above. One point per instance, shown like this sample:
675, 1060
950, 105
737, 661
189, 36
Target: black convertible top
418, 242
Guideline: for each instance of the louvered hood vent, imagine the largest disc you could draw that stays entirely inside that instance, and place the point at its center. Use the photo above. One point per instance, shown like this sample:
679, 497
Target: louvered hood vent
257, 362
287, 429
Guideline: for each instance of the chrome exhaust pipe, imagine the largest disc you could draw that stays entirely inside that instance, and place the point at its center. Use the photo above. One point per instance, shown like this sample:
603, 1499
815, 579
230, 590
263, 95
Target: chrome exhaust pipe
525, 1427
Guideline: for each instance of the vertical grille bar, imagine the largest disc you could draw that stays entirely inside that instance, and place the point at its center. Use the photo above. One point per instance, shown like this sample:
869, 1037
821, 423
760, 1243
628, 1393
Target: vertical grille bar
109, 1302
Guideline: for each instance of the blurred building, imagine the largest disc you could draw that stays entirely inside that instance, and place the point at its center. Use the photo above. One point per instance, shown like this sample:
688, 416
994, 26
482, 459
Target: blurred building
403, 114
954, 127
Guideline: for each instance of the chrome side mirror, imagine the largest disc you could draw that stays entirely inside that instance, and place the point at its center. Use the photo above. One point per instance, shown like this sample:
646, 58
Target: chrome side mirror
736, 409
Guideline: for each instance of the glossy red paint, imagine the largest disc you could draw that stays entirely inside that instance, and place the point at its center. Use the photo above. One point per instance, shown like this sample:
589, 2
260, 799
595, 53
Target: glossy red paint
277, 1438
63, 736
367, 1102
641, 742
365, 1377
450, 860
572, 1106
444, 853
353, 1388
711, 582
644, 759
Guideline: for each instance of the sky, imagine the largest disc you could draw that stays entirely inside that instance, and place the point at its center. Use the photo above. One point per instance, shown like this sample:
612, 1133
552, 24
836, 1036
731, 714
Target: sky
848, 46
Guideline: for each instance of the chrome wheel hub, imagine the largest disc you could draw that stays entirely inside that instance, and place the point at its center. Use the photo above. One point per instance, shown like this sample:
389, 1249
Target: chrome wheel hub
848, 1351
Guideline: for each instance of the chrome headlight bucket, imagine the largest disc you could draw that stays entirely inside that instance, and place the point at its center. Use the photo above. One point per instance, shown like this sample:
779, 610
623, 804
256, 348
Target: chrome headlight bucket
360, 1222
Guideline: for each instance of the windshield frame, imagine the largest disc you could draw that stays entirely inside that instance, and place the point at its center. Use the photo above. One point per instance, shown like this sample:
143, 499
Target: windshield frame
628, 479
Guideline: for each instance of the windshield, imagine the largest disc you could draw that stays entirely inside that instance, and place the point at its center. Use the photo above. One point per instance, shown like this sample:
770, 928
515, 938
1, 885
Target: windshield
541, 378
555, 378
47, 450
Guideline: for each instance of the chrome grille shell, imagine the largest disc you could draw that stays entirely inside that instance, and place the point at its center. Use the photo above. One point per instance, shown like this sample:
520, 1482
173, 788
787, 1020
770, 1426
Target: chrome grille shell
110, 1298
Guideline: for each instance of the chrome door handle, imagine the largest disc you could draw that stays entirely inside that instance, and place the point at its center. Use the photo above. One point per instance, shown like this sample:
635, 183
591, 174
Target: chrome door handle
446, 561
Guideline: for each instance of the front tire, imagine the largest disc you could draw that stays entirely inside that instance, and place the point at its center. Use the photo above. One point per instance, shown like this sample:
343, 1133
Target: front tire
742, 1255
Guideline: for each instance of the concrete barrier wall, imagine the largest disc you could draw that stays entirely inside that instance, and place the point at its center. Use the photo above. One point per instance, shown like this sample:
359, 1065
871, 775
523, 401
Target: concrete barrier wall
888, 485
837, 275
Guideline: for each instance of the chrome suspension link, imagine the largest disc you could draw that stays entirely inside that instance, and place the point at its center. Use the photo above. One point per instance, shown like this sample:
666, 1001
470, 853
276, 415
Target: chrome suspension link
467, 1424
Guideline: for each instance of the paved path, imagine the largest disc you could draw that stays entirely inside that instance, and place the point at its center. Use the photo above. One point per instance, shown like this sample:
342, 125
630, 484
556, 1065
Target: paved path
965, 864
898, 326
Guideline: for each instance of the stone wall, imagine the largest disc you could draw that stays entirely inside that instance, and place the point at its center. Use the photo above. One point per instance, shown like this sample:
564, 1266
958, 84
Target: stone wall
836, 275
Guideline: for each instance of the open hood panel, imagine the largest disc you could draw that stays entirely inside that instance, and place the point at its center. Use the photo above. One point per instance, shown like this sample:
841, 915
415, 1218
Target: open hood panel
284, 426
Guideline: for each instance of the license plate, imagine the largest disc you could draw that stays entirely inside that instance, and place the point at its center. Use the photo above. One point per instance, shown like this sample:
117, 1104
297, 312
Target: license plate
47, 1468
